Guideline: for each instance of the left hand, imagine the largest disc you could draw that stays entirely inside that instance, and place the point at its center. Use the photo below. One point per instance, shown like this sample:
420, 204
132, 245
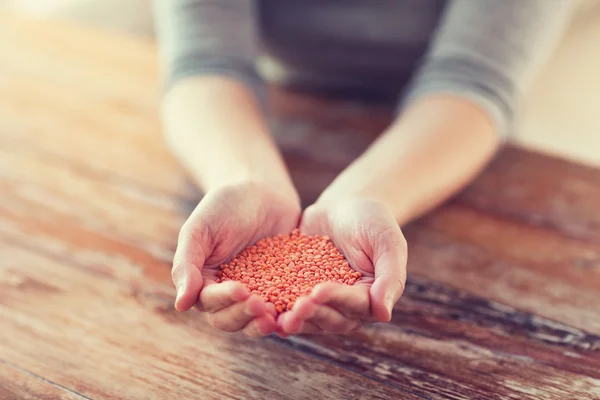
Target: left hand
372, 242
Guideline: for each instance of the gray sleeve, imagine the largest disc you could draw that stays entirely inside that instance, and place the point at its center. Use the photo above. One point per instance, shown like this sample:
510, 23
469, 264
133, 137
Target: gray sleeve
208, 37
489, 50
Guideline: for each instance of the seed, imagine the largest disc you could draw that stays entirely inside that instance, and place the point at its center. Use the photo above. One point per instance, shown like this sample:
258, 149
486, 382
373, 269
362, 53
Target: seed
282, 268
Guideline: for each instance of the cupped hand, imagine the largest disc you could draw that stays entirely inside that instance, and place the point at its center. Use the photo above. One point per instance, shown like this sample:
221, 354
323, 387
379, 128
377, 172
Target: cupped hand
371, 240
226, 221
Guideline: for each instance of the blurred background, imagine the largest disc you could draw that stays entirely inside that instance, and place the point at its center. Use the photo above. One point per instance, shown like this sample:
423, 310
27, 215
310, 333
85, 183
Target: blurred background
561, 114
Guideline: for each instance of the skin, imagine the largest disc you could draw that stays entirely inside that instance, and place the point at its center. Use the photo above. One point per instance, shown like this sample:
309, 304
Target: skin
435, 147
249, 196
226, 221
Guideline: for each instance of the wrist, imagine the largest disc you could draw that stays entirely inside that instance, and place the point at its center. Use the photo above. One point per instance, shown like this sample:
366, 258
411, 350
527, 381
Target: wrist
285, 190
218, 147
332, 197
429, 153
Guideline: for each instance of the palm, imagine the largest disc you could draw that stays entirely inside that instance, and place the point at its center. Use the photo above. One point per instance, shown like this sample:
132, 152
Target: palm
238, 216
354, 227
369, 237
225, 222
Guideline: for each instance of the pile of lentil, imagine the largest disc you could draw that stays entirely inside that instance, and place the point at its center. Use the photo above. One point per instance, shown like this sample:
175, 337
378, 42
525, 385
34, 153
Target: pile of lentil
282, 268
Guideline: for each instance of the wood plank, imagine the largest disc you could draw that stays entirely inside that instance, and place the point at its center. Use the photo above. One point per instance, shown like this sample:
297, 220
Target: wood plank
524, 257
554, 292
541, 191
110, 92
444, 369
449, 332
136, 268
115, 210
18, 384
571, 260
498, 264
490, 329
445, 342
105, 339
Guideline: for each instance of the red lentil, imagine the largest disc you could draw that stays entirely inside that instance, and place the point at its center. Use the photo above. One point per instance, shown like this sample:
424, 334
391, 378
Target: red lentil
282, 268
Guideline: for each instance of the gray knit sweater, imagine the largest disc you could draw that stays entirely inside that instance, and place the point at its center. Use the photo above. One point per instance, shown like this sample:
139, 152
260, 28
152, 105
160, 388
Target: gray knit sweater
485, 50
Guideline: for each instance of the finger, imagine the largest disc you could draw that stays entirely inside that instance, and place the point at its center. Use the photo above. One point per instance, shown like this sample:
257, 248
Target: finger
351, 301
295, 326
291, 322
187, 265
271, 309
322, 316
261, 326
331, 320
217, 296
188, 281
390, 256
238, 315
385, 293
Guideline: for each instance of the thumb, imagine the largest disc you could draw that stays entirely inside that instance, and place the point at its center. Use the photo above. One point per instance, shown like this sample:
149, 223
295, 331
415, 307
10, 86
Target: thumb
389, 260
187, 270
188, 281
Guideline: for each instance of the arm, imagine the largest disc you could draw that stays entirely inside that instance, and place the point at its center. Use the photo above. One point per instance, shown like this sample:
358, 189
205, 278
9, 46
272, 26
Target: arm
217, 145
214, 123
213, 109
462, 103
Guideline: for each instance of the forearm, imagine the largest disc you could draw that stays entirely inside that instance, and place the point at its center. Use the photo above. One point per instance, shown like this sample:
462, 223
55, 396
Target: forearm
216, 128
211, 113
461, 102
429, 153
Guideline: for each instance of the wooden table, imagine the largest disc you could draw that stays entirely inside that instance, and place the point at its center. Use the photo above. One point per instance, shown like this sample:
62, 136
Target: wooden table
503, 298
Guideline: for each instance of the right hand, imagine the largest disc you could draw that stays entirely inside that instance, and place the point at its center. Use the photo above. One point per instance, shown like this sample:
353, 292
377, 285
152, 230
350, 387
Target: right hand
226, 221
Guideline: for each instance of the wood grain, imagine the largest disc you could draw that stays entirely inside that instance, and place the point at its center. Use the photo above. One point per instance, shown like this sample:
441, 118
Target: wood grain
554, 292
565, 196
504, 280
447, 343
440, 247
113, 341
18, 384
